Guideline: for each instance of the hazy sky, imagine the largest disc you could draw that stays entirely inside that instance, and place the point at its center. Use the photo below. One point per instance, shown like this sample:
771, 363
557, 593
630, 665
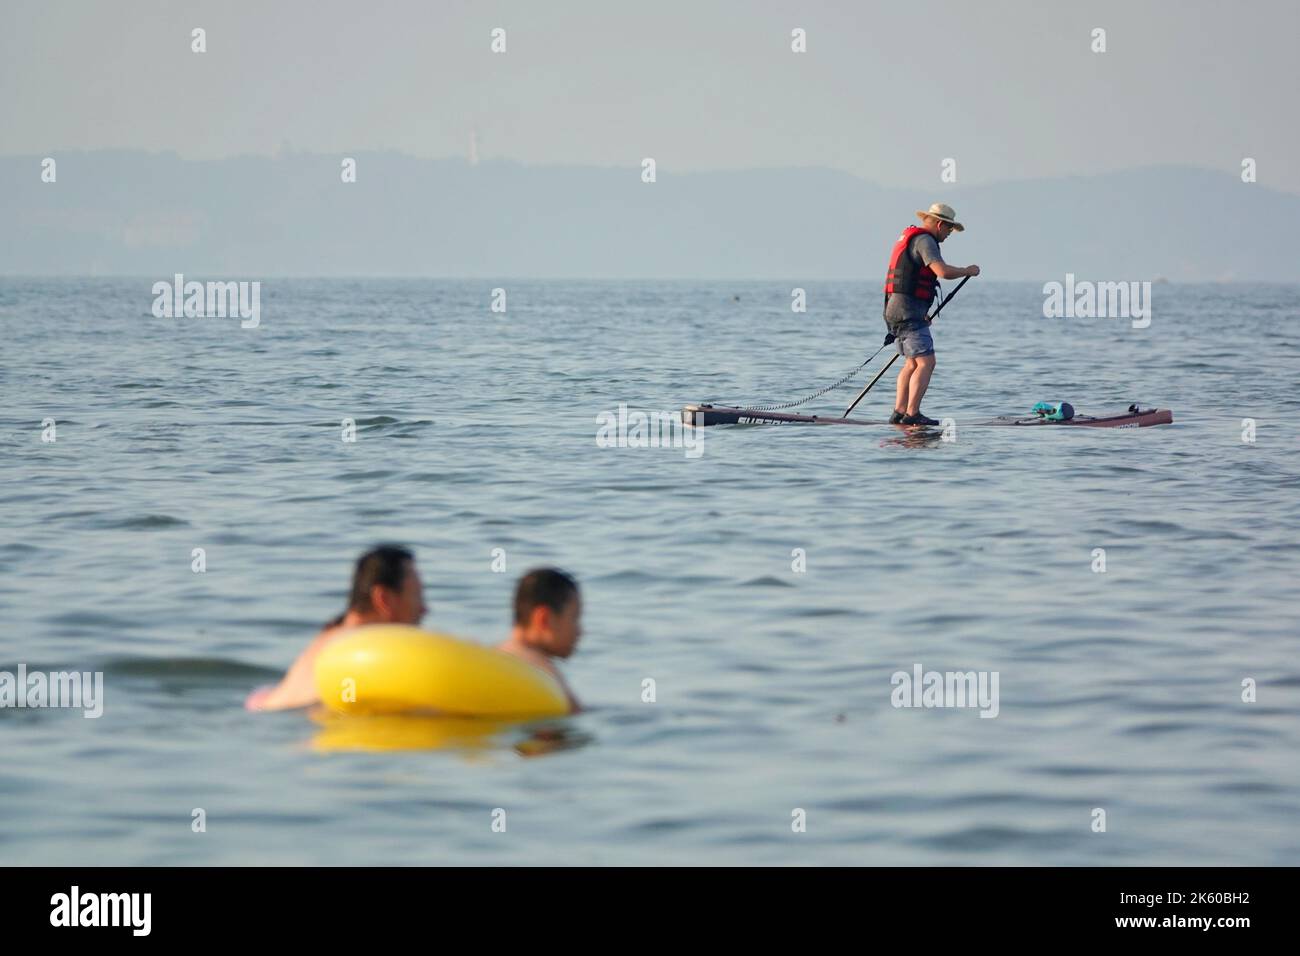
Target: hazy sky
885, 91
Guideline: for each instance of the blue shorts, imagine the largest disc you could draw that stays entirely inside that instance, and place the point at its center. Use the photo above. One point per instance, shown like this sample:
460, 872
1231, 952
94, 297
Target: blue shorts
914, 341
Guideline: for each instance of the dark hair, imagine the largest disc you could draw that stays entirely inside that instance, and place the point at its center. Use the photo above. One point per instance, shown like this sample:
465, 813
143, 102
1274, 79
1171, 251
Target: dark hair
543, 587
384, 565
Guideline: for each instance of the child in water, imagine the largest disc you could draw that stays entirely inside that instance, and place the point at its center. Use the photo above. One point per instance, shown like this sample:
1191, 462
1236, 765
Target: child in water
548, 611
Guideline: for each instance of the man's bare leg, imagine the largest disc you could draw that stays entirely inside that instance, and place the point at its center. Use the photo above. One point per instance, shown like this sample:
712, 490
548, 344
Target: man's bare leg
904, 377
918, 382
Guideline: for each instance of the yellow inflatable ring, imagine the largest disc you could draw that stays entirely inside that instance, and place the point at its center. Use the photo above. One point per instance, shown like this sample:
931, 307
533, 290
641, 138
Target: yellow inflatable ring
382, 732
393, 669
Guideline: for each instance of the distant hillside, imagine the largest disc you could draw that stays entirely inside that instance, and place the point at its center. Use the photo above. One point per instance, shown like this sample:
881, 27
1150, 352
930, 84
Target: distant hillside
115, 212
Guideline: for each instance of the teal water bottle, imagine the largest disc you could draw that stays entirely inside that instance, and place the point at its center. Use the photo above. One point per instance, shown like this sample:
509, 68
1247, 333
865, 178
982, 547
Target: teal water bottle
1054, 411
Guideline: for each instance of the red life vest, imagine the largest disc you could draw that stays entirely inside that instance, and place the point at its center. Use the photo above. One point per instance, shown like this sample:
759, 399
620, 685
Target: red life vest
904, 275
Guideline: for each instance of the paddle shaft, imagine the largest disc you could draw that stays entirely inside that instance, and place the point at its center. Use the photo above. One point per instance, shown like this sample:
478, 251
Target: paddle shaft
863, 394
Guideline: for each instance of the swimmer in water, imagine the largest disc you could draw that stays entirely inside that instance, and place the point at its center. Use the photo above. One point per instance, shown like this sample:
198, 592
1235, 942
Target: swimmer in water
548, 609
386, 589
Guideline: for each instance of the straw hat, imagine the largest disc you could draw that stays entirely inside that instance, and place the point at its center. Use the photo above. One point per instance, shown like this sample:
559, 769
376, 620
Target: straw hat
944, 213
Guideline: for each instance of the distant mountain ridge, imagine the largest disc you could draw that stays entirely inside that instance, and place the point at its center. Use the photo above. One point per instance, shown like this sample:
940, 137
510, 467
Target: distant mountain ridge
136, 213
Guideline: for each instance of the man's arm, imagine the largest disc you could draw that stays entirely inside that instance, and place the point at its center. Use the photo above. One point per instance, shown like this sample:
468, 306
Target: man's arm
574, 706
929, 253
298, 689
945, 271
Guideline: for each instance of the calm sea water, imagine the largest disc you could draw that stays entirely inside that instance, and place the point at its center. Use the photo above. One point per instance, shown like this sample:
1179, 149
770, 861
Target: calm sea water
1119, 690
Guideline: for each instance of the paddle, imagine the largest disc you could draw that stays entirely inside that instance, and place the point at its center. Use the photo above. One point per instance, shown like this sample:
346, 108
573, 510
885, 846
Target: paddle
863, 394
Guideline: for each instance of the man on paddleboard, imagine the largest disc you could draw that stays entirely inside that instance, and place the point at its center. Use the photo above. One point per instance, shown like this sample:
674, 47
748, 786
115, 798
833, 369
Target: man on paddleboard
915, 267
